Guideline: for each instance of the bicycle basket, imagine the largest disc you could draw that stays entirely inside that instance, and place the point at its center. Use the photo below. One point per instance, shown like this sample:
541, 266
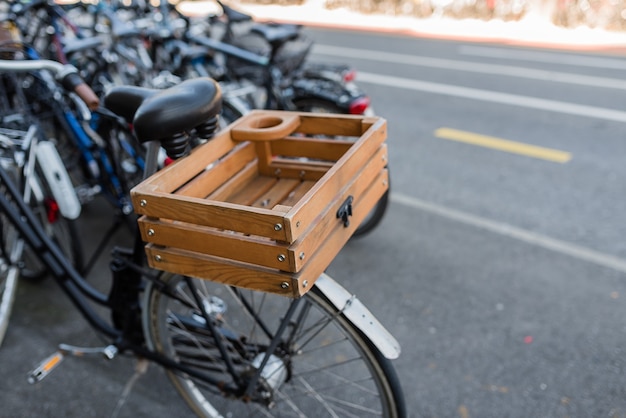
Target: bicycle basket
268, 203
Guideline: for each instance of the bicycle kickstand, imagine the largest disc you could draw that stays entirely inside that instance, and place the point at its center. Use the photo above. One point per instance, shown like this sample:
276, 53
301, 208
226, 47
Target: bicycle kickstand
50, 363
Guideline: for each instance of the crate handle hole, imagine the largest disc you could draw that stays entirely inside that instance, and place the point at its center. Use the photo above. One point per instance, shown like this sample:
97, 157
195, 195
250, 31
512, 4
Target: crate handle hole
267, 122
264, 127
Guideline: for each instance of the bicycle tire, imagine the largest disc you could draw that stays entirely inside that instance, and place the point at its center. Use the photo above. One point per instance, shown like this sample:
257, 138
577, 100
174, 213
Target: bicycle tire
63, 231
309, 376
375, 217
18, 261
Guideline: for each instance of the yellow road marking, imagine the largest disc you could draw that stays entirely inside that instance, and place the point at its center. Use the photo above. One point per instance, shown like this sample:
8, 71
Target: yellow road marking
505, 145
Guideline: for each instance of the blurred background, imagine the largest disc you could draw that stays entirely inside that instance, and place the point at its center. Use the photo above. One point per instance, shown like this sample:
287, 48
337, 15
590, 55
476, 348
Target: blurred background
605, 14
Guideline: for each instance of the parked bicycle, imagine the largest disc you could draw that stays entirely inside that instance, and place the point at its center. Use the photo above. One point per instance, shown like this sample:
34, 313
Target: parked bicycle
228, 351
96, 146
33, 163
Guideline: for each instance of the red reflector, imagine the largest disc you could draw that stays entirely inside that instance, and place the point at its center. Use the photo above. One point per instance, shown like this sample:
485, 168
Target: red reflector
349, 75
52, 210
359, 106
168, 161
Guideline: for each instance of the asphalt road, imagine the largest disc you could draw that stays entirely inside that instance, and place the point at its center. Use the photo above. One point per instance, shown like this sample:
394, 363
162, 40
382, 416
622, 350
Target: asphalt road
502, 273
499, 267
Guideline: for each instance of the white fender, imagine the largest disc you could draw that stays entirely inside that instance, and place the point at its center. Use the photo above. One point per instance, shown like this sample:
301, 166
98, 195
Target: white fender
57, 178
354, 310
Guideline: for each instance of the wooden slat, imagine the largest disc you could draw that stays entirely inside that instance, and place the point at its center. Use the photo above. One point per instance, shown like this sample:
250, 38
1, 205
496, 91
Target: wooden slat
235, 183
281, 189
281, 208
253, 190
302, 164
297, 193
303, 170
313, 148
220, 215
341, 125
210, 241
220, 172
184, 169
337, 125
220, 270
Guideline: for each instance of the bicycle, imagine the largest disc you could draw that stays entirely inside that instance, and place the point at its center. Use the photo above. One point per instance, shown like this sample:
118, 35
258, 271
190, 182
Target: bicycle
229, 351
96, 146
31, 159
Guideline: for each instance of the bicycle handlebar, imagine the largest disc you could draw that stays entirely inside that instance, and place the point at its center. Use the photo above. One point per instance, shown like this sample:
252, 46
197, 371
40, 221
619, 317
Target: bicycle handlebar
66, 74
73, 82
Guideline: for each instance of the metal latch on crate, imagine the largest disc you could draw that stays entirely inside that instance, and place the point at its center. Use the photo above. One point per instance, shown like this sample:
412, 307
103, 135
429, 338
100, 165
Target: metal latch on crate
345, 210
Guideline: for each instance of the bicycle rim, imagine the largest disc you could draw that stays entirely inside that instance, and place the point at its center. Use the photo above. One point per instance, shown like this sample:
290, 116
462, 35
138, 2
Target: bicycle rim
323, 366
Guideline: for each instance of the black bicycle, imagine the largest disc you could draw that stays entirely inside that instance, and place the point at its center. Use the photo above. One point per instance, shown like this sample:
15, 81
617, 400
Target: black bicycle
228, 351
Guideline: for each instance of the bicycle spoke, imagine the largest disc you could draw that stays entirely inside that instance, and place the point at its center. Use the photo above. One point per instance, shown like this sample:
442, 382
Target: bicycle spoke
320, 368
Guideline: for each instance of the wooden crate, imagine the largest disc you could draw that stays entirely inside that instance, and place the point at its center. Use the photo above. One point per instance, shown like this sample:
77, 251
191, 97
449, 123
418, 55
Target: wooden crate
257, 206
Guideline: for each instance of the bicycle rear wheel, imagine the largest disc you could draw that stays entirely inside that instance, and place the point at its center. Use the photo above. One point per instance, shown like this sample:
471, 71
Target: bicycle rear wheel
323, 366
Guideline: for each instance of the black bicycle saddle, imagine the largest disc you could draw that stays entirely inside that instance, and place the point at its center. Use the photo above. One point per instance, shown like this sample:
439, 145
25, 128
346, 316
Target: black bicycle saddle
277, 33
125, 100
164, 114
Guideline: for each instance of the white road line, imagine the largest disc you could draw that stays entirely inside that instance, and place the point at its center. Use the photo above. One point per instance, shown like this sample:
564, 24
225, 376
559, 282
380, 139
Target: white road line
495, 97
562, 247
467, 66
546, 57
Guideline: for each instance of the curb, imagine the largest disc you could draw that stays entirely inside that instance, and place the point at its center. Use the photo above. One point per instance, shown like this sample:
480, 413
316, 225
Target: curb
529, 32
